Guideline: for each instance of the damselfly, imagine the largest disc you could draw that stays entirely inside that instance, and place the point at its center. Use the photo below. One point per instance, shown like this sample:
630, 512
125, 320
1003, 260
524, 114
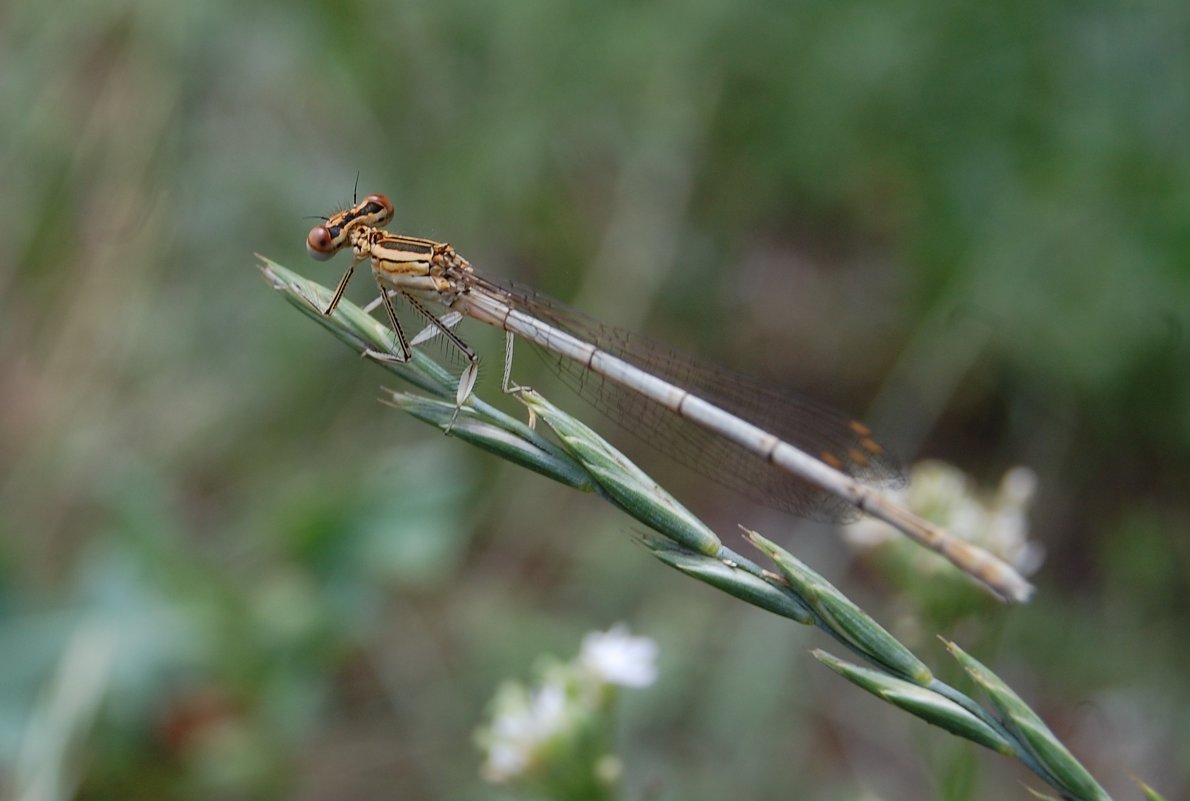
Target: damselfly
792, 453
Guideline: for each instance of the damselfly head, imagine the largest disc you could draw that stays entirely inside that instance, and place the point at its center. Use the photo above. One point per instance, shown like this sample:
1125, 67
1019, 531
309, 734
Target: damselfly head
324, 241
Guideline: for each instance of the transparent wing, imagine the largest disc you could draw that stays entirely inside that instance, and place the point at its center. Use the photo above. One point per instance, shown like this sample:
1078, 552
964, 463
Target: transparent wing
820, 431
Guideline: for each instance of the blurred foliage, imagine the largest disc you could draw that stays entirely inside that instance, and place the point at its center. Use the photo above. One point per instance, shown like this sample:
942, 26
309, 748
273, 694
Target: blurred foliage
976, 214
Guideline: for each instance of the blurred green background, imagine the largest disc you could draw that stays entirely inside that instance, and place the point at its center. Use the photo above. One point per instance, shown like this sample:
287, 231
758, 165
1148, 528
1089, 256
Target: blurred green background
248, 579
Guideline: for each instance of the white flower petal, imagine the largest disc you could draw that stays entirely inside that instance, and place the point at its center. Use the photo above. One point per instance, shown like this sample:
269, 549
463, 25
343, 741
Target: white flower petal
521, 725
616, 657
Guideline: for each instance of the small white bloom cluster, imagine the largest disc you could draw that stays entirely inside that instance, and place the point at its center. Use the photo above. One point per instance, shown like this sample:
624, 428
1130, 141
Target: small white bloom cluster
616, 657
527, 724
522, 722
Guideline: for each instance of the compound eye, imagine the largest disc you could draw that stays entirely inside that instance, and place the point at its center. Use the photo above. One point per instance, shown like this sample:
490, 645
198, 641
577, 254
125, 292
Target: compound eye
384, 205
320, 243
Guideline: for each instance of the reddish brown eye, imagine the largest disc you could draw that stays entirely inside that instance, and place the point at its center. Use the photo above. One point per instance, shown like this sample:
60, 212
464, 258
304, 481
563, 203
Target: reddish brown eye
385, 207
319, 243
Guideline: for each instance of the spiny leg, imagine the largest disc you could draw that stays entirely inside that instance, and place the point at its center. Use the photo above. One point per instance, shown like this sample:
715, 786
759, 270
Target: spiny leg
341, 287
450, 320
507, 387
470, 372
406, 352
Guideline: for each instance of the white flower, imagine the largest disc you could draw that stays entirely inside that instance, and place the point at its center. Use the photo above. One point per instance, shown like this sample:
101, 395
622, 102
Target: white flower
616, 657
1008, 527
521, 725
538, 735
